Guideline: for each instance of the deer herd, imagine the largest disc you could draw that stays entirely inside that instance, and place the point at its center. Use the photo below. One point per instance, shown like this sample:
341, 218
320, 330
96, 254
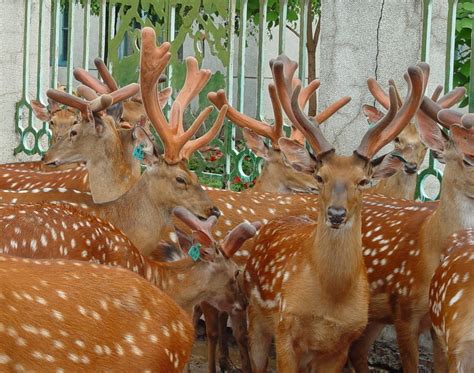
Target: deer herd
107, 268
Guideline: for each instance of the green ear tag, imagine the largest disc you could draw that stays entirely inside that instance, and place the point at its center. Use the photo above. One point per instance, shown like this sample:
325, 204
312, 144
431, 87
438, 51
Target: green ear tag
195, 252
138, 152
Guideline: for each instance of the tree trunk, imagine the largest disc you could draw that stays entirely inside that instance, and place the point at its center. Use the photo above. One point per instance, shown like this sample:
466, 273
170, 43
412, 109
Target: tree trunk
312, 39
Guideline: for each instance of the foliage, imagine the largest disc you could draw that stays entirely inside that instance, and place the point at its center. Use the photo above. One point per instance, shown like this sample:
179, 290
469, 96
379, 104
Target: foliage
462, 68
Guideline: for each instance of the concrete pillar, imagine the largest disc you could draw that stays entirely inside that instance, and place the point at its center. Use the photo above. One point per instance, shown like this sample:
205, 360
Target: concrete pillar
11, 66
371, 38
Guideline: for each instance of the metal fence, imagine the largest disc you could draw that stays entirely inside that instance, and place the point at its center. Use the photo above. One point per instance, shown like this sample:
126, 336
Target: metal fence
118, 25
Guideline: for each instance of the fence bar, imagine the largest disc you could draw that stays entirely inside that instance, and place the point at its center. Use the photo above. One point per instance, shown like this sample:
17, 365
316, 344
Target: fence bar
170, 33
282, 26
86, 35
426, 35
70, 50
111, 28
262, 26
450, 38
229, 129
26, 47
471, 77
39, 76
242, 49
54, 59
102, 15
304, 8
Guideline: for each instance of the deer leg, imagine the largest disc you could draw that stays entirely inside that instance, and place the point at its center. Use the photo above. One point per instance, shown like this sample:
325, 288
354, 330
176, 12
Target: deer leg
439, 355
224, 359
260, 340
197, 313
239, 327
359, 350
407, 338
287, 357
330, 364
211, 316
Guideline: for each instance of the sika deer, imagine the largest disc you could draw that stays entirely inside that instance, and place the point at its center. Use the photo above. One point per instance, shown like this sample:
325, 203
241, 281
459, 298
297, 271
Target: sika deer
288, 166
295, 258
61, 315
403, 247
45, 231
408, 144
451, 311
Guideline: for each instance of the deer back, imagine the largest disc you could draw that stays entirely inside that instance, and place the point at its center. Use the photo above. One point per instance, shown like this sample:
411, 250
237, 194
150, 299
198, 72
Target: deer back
78, 316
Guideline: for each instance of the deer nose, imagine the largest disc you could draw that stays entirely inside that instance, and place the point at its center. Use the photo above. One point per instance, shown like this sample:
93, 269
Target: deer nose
215, 211
411, 167
336, 215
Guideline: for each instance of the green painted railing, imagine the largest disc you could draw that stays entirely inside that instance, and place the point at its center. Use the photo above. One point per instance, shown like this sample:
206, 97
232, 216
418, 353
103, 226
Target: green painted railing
202, 22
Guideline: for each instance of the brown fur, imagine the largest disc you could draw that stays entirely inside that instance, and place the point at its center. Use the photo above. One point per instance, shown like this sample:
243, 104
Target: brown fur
78, 316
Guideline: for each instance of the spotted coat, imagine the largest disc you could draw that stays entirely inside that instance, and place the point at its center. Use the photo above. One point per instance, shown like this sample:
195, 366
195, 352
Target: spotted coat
74, 316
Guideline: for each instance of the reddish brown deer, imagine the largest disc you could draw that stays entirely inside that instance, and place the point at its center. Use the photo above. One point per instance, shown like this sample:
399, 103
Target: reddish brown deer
45, 231
402, 248
451, 311
295, 258
60, 315
408, 143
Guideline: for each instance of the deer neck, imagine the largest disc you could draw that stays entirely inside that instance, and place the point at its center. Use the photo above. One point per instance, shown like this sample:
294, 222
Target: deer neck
454, 213
109, 174
400, 185
139, 213
338, 256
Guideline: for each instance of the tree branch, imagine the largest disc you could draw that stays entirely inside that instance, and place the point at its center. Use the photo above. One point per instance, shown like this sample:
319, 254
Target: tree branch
293, 30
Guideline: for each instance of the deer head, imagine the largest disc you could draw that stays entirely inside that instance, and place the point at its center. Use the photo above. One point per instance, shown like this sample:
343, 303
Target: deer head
60, 119
288, 166
342, 178
457, 150
216, 255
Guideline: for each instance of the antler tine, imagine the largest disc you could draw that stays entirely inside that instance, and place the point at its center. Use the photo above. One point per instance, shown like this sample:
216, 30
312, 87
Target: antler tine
277, 129
331, 109
437, 92
101, 103
153, 60
194, 222
244, 121
452, 97
191, 146
379, 94
425, 69
307, 92
467, 120
125, 92
88, 93
237, 237
194, 82
391, 82
310, 128
70, 100
386, 130
105, 74
87, 79
448, 117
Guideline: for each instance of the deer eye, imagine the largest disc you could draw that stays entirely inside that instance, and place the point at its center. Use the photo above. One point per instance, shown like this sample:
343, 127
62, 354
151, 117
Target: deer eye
180, 180
397, 140
467, 164
73, 133
319, 179
364, 183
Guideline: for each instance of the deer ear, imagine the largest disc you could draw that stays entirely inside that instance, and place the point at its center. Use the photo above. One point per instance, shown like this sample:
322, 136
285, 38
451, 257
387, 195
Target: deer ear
202, 238
53, 105
297, 156
388, 166
41, 112
144, 147
255, 143
430, 133
372, 113
464, 140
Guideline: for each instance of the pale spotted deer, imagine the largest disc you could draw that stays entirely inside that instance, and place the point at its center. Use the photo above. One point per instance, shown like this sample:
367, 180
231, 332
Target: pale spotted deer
45, 231
451, 305
60, 315
408, 143
403, 242
306, 281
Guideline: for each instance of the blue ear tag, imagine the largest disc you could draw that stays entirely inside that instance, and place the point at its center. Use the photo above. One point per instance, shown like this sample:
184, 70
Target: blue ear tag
195, 252
138, 152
